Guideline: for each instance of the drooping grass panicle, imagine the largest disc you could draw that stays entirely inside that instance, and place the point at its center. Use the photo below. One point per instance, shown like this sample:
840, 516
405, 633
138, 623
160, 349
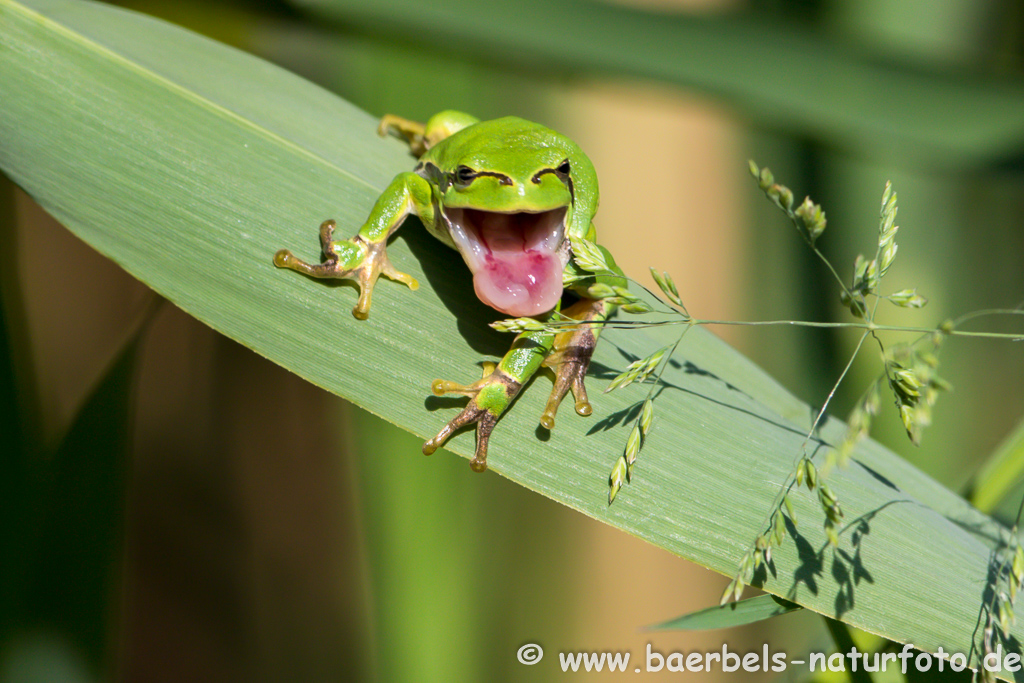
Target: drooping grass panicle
911, 371
808, 219
639, 371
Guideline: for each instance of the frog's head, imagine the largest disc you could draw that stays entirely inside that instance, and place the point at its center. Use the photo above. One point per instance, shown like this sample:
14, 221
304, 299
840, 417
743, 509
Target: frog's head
507, 214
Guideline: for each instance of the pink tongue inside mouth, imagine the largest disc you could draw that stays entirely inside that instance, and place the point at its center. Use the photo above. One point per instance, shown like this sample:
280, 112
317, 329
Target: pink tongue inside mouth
515, 268
519, 283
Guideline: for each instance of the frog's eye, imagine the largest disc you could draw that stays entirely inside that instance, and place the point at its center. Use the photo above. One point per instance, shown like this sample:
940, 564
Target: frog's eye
464, 175
561, 172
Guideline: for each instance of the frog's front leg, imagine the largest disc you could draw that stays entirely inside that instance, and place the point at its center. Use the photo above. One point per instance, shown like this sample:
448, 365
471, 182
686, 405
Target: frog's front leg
364, 258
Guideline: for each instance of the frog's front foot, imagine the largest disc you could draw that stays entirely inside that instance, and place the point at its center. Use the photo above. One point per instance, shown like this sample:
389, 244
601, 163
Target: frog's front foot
488, 399
354, 259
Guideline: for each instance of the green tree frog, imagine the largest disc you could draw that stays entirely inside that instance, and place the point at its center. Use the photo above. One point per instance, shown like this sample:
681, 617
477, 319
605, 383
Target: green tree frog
516, 200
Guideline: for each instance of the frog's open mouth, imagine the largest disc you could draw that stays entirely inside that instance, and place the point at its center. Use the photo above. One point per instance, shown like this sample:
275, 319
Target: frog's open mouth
516, 258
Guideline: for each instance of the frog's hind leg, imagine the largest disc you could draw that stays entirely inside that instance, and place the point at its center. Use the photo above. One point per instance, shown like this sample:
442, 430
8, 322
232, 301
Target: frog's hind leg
567, 353
570, 357
488, 398
422, 137
491, 396
412, 131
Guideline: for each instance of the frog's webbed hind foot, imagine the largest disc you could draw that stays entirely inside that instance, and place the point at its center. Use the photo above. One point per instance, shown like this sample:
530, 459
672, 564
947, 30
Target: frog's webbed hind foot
485, 421
423, 136
354, 259
570, 358
569, 375
413, 132
488, 399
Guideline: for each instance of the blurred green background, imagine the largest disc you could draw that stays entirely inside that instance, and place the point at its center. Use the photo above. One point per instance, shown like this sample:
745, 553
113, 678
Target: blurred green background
248, 526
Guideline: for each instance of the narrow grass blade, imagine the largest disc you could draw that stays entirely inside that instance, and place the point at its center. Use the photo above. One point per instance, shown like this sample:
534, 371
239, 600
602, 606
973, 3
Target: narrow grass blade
740, 613
1001, 473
